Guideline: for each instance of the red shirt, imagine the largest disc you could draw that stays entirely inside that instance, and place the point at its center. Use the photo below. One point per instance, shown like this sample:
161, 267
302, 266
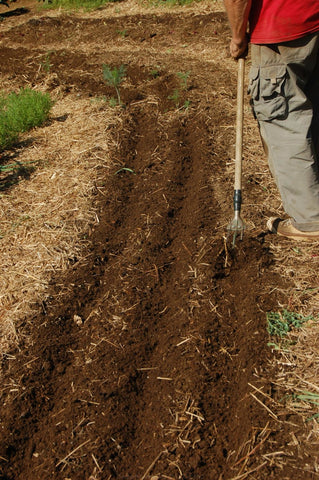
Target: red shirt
275, 21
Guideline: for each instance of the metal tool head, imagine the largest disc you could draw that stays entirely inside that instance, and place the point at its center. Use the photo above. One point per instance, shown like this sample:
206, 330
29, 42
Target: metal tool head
236, 228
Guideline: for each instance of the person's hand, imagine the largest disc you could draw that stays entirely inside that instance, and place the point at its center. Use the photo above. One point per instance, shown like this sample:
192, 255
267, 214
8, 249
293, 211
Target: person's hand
239, 49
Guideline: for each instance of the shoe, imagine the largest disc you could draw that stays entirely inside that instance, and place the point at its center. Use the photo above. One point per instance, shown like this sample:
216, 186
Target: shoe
285, 228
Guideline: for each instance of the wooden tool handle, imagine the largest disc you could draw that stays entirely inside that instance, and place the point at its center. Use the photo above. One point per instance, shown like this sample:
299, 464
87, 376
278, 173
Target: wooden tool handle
239, 123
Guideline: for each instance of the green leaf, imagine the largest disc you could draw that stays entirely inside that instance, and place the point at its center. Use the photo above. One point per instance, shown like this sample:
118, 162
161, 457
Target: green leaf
126, 169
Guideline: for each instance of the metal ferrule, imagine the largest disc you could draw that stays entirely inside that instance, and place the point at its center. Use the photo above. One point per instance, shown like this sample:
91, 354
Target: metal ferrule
237, 200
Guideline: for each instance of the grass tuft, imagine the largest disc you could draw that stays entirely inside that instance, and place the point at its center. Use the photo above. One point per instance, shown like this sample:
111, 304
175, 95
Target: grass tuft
19, 112
87, 5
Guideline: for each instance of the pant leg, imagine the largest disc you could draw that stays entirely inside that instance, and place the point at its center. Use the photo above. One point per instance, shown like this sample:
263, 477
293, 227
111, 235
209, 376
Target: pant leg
280, 80
312, 92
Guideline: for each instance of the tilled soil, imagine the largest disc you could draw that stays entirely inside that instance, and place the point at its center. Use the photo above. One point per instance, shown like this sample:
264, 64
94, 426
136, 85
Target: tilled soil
152, 365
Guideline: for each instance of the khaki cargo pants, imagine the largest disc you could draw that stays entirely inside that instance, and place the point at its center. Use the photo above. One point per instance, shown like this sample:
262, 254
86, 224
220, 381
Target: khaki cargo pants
284, 89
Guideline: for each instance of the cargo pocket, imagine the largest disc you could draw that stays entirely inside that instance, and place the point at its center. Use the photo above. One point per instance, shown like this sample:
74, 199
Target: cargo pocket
266, 88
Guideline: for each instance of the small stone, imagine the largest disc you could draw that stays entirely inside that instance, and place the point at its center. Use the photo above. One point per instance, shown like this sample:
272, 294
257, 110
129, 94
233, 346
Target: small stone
78, 320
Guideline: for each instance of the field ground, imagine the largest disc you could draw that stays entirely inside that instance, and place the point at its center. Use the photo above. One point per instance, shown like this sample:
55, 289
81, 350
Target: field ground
134, 338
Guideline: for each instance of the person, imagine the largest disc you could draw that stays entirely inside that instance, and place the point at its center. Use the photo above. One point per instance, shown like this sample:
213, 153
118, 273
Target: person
284, 90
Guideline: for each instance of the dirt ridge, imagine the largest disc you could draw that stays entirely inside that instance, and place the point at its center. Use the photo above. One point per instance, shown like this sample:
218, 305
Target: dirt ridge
152, 282
140, 362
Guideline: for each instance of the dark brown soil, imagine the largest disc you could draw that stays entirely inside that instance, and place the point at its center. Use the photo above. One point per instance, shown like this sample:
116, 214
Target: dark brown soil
145, 370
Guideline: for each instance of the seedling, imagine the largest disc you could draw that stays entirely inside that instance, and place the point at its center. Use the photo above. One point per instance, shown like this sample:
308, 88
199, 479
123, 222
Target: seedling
46, 64
155, 72
307, 397
183, 78
124, 169
101, 99
186, 104
122, 33
175, 97
114, 77
113, 102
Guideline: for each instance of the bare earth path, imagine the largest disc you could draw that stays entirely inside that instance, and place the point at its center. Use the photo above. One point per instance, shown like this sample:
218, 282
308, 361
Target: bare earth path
146, 358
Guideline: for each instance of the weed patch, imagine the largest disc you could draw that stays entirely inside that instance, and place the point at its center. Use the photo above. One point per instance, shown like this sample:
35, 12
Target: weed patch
281, 323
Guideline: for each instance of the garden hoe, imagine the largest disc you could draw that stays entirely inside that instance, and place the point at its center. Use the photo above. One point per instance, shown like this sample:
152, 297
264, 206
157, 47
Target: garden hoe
237, 226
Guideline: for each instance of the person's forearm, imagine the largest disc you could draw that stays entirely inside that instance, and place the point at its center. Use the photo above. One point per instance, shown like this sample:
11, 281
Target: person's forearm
238, 13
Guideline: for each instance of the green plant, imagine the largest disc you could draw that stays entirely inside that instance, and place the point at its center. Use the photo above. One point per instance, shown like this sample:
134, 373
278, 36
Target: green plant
11, 167
76, 4
155, 73
122, 33
20, 112
124, 169
183, 78
113, 102
186, 104
280, 323
114, 77
175, 97
101, 99
46, 63
307, 397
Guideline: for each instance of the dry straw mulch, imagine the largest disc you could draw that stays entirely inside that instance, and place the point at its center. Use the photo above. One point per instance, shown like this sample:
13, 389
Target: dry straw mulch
45, 219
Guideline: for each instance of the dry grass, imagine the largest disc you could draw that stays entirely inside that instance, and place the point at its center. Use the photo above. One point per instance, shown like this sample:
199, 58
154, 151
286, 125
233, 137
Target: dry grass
46, 219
